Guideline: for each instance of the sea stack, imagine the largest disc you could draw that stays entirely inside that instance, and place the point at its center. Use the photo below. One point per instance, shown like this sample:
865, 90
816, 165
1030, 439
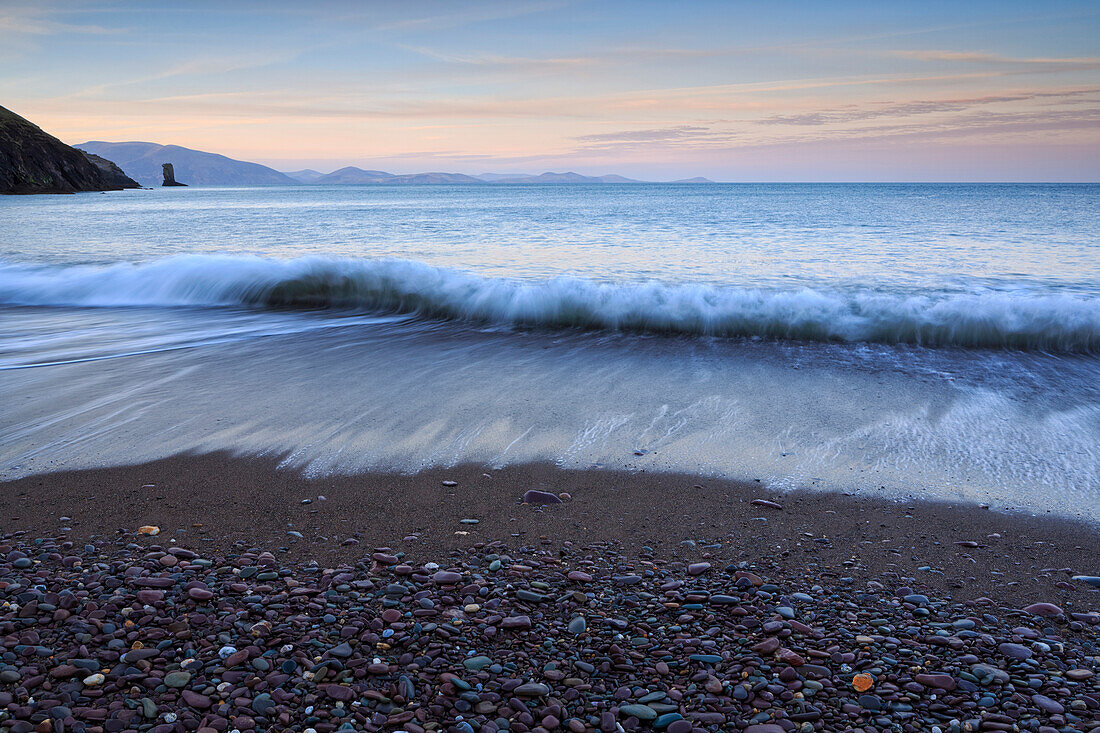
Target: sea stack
170, 176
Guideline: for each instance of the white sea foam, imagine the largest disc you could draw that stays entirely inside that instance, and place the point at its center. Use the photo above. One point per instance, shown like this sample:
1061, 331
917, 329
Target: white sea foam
997, 319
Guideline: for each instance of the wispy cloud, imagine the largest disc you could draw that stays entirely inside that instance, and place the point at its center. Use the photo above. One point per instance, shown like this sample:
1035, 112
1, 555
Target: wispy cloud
191, 68
1011, 64
680, 132
854, 113
485, 61
466, 15
42, 20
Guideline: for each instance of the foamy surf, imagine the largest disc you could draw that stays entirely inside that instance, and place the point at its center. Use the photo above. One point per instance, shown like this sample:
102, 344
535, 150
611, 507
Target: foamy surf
988, 319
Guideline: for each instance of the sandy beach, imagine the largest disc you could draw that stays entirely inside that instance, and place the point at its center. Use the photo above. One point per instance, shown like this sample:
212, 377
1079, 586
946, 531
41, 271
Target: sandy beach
218, 502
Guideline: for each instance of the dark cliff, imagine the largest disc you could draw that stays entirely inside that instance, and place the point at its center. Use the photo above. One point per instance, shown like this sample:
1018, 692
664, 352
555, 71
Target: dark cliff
32, 161
112, 174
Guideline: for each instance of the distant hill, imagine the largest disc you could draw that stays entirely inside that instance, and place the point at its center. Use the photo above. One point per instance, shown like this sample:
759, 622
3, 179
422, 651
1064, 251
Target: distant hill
306, 175
353, 175
502, 177
571, 177
193, 167
357, 176
435, 178
548, 177
32, 161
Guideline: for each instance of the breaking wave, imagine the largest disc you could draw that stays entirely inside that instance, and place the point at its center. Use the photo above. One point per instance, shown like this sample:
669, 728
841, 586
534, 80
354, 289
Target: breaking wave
991, 319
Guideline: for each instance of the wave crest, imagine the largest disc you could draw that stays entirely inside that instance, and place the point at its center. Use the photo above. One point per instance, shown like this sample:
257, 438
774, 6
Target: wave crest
1055, 323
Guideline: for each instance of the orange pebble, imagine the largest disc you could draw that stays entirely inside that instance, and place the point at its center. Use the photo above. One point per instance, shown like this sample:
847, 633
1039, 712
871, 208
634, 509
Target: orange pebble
863, 682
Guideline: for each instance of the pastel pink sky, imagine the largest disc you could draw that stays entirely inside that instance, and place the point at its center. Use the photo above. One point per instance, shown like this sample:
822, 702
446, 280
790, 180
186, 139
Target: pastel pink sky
731, 91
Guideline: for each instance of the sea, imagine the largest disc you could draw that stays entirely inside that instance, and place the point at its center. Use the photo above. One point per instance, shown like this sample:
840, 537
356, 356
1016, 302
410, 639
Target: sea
911, 341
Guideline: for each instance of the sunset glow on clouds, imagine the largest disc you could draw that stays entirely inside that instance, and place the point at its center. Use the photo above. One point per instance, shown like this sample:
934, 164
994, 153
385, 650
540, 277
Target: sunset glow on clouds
732, 91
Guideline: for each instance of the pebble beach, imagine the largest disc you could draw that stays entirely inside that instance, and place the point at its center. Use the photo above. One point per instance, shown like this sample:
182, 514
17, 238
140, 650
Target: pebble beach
563, 612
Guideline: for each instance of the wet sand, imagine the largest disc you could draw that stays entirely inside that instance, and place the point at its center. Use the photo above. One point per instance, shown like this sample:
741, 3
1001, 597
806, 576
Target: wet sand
221, 503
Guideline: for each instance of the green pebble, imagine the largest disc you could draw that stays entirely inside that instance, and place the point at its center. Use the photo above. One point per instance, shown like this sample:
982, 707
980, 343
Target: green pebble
177, 679
666, 720
475, 664
641, 712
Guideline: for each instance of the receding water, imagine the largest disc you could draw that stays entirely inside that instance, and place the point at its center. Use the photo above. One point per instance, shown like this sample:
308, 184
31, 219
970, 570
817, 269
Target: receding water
920, 340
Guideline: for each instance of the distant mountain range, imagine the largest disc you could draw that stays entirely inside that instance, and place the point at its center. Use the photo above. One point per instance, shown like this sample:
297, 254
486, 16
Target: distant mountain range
358, 176
143, 162
569, 177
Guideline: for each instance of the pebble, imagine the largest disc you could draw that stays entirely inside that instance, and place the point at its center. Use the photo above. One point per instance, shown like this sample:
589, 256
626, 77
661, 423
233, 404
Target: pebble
1046, 704
532, 689
516, 622
940, 681
534, 496
177, 679
446, 577
1043, 609
1014, 651
341, 651
641, 712
476, 664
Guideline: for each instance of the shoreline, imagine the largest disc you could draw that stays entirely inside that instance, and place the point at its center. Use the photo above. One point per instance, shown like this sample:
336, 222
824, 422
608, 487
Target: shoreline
216, 500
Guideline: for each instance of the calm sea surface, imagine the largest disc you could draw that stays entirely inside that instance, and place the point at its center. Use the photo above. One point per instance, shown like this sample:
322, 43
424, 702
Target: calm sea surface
913, 340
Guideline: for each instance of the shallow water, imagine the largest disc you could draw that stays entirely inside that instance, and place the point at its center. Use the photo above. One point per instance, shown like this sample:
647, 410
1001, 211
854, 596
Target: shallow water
772, 332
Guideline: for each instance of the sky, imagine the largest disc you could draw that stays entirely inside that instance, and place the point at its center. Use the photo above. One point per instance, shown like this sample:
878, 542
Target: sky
734, 91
